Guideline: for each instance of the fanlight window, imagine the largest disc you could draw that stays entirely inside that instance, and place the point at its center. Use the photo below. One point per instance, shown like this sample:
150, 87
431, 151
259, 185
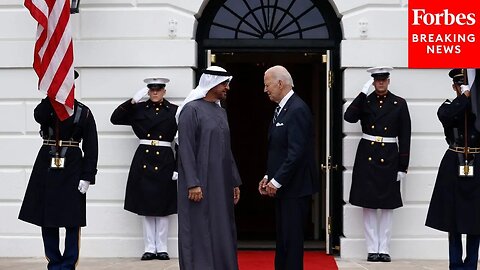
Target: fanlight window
268, 19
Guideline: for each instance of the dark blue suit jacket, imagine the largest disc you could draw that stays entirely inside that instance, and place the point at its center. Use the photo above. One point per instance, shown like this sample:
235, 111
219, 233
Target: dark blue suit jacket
291, 159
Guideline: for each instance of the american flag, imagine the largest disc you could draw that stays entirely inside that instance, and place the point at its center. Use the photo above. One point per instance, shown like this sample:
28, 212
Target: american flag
53, 53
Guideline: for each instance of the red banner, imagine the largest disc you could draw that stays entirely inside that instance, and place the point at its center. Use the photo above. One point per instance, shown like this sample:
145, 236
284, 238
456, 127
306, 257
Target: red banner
443, 34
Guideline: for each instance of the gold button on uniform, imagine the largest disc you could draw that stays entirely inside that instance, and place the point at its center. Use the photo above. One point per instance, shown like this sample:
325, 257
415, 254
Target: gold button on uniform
148, 135
381, 160
156, 168
385, 128
146, 151
158, 153
373, 126
381, 101
157, 109
383, 144
369, 158
160, 136
144, 166
372, 143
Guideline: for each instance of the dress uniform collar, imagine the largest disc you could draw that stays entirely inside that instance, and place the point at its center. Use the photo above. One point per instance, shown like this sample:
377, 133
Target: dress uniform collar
162, 104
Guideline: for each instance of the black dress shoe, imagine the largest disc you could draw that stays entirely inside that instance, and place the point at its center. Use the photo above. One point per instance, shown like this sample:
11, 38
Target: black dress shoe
373, 257
163, 256
382, 257
147, 256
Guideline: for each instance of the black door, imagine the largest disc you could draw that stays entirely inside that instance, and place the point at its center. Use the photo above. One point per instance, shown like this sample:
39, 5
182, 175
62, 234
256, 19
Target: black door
250, 112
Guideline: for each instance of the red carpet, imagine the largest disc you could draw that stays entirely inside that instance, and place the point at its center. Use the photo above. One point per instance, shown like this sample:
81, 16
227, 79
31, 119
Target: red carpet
263, 260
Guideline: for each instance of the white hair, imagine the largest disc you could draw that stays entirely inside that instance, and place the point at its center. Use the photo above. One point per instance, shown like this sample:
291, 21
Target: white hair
281, 73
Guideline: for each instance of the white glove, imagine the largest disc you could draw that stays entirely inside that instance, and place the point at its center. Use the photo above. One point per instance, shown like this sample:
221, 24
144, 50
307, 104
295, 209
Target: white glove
366, 86
464, 88
141, 96
83, 186
401, 176
175, 176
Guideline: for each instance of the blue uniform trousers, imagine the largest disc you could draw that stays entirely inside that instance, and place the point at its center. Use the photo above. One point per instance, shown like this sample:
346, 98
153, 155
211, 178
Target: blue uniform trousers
51, 242
455, 252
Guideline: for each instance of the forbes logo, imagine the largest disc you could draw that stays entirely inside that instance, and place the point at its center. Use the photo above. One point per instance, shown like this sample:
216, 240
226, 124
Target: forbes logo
421, 17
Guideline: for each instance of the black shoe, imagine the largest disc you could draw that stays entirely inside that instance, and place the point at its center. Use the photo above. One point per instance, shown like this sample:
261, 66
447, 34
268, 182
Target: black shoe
147, 256
373, 257
382, 257
163, 256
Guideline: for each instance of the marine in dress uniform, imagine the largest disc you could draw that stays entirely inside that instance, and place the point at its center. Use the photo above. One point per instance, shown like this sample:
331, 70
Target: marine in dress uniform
455, 203
151, 190
382, 159
66, 165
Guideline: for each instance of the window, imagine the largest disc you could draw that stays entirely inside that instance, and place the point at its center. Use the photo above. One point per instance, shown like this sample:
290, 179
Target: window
268, 19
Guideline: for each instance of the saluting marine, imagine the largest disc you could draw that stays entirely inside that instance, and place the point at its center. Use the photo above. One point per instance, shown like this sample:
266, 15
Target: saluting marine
151, 190
382, 158
455, 203
65, 167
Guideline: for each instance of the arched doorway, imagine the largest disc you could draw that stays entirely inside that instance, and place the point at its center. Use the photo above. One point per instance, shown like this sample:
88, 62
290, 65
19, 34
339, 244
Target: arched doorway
248, 36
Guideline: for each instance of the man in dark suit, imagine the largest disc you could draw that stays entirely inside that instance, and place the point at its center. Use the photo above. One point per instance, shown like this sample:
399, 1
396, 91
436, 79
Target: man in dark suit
292, 176
382, 159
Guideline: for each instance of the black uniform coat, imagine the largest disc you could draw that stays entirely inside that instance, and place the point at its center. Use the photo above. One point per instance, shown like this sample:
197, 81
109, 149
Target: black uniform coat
374, 179
455, 203
52, 198
150, 189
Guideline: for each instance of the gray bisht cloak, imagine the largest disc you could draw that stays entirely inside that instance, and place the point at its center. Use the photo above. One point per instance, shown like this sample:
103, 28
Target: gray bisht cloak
206, 229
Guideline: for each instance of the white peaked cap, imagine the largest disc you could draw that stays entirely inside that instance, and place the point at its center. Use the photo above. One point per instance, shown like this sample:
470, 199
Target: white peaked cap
156, 80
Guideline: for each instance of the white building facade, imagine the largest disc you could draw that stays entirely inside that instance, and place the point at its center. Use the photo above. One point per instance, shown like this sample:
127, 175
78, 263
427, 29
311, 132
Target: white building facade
118, 43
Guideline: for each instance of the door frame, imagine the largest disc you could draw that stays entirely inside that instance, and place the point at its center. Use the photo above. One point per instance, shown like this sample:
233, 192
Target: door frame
332, 44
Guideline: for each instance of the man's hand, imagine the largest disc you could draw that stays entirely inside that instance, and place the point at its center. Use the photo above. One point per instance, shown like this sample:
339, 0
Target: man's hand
236, 195
195, 194
271, 189
401, 176
366, 86
141, 96
262, 185
465, 89
83, 186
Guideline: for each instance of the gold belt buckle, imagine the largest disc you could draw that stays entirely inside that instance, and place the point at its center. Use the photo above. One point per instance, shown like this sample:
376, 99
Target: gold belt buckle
57, 163
154, 143
378, 139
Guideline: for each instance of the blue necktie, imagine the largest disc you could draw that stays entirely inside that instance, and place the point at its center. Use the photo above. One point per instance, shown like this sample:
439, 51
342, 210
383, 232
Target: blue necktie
275, 115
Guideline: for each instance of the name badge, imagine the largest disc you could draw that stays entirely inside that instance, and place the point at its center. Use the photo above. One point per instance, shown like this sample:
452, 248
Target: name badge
57, 163
465, 171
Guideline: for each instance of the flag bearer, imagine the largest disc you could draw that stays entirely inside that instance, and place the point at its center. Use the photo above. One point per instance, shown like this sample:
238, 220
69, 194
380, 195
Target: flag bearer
455, 203
63, 171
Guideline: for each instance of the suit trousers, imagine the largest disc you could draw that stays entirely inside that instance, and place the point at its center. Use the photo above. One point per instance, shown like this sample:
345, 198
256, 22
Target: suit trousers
291, 216
455, 252
155, 234
51, 242
378, 229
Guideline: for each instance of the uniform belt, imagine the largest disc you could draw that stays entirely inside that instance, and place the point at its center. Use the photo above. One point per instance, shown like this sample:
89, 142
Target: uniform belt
379, 138
156, 143
61, 143
470, 150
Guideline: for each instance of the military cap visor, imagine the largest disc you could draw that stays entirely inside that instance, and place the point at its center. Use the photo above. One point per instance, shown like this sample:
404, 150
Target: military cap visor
380, 73
457, 76
156, 83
